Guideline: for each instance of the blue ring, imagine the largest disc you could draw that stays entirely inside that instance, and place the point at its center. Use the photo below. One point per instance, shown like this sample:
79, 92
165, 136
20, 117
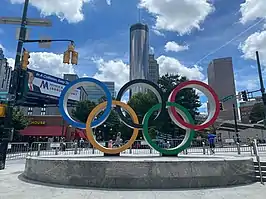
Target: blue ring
64, 97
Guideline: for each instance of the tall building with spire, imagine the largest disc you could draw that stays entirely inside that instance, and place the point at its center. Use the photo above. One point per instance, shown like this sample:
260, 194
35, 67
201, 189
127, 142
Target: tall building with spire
139, 54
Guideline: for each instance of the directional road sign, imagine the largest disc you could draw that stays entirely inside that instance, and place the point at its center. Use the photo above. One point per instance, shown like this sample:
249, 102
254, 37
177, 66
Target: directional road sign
228, 98
30, 21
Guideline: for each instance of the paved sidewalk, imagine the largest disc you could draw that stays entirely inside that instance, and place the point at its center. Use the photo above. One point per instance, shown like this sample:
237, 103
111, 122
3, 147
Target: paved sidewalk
11, 187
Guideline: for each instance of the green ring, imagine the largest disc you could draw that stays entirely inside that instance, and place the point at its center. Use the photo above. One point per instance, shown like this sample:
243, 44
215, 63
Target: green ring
189, 132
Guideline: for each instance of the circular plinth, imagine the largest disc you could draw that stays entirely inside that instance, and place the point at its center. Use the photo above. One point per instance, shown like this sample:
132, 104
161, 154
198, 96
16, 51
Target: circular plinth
141, 172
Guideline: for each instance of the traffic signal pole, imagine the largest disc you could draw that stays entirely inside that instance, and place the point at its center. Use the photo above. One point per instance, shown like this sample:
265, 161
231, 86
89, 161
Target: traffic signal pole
262, 88
15, 81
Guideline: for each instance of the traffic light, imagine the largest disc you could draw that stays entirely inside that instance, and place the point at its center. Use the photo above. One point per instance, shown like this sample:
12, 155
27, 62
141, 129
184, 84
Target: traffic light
74, 58
2, 110
66, 58
221, 106
244, 96
71, 52
25, 60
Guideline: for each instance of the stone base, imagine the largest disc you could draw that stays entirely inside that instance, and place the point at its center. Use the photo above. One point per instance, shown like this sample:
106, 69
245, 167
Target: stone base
140, 172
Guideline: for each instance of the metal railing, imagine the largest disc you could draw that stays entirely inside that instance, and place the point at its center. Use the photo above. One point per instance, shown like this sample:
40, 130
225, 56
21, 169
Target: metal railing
22, 150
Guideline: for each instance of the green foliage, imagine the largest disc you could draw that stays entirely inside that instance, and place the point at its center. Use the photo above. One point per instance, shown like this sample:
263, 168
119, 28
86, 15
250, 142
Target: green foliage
19, 121
257, 113
82, 110
141, 103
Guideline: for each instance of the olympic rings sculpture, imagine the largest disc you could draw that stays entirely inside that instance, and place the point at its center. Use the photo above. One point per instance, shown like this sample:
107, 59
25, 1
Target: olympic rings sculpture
179, 115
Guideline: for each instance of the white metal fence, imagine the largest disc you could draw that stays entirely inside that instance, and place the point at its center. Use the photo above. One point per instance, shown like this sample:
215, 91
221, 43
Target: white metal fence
22, 150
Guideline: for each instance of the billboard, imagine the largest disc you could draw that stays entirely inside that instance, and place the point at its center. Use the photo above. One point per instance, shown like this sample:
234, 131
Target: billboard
44, 85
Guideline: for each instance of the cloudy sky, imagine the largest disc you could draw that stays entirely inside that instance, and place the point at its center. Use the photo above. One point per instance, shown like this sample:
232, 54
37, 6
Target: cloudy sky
184, 34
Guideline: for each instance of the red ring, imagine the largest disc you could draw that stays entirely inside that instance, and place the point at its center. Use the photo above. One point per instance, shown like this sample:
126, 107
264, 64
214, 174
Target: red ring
177, 116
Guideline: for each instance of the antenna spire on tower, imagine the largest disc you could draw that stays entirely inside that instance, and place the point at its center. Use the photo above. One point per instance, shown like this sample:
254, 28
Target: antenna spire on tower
139, 15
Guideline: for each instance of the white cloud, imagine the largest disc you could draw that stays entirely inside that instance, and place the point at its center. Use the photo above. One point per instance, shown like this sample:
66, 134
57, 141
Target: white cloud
173, 66
118, 71
112, 70
11, 62
255, 42
71, 10
180, 16
173, 46
109, 2
250, 84
157, 32
204, 108
49, 63
252, 10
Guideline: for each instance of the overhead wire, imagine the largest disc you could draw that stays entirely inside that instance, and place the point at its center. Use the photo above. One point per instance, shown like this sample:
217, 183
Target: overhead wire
230, 41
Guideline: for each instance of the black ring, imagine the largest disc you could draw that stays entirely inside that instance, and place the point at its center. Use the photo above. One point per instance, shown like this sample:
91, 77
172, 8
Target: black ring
125, 88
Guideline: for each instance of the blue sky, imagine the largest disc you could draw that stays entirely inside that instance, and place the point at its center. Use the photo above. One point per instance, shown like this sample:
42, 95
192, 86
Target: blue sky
100, 30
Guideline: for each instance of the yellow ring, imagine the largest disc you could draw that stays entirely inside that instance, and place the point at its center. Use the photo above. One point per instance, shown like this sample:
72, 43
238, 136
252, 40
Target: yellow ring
89, 131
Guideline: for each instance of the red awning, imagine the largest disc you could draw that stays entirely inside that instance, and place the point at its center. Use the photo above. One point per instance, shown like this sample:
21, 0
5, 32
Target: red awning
81, 133
42, 131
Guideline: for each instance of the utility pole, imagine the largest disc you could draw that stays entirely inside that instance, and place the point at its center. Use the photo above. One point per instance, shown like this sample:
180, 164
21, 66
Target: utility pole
262, 88
17, 75
236, 126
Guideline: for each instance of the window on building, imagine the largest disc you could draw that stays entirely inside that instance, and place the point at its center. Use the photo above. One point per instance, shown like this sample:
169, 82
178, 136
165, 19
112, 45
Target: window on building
30, 110
43, 111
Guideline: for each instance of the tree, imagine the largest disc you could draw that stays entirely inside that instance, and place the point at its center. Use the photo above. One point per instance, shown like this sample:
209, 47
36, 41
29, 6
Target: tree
257, 113
82, 110
18, 122
186, 97
142, 102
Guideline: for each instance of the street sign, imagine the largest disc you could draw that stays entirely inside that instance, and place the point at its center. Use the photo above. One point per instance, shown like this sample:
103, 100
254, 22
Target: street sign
4, 96
18, 33
30, 21
229, 97
45, 44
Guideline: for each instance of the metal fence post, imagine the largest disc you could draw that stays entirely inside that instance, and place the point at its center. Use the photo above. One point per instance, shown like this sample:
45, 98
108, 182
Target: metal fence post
238, 148
56, 151
76, 148
39, 150
204, 148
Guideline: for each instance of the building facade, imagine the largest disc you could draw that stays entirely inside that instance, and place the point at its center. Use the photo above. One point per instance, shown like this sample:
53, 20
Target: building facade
5, 73
153, 69
95, 93
139, 54
221, 79
246, 108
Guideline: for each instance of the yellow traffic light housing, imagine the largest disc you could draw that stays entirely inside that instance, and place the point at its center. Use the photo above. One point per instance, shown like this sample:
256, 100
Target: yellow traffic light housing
66, 58
25, 60
2, 110
74, 58
71, 48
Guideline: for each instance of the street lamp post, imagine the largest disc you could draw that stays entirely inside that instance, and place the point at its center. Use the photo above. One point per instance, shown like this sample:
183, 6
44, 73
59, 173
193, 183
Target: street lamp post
262, 88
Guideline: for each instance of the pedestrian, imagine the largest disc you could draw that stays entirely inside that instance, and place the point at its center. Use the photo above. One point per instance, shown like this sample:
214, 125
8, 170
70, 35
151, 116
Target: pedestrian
211, 139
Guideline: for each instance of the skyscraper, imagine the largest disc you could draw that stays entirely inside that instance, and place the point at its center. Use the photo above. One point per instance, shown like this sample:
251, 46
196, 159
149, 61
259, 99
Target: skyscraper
139, 54
5, 73
95, 92
221, 79
153, 69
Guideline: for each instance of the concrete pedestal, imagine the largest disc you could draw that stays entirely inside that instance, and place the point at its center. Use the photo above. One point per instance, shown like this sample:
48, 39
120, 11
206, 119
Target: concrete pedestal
141, 172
